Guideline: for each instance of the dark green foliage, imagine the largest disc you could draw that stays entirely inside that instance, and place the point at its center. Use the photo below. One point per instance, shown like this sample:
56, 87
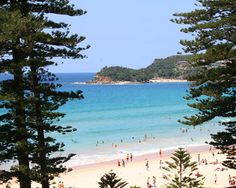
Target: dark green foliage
14, 134
171, 67
231, 157
118, 73
110, 180
43, 117
224, 141
31, 98
183, 171
213, 88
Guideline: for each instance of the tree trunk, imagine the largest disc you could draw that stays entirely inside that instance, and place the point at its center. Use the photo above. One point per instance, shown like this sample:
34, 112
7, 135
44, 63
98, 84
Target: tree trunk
180, 174
40, 128
21, 138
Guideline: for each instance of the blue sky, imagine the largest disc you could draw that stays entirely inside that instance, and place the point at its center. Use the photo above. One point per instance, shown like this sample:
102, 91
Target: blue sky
130, 33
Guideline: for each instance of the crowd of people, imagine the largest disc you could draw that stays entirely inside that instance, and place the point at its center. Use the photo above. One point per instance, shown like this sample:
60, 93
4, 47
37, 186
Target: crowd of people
61, 184
151, 184
122, 162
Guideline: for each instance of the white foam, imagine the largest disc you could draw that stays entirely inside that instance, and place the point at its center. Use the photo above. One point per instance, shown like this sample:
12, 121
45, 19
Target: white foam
86, 159
79, 83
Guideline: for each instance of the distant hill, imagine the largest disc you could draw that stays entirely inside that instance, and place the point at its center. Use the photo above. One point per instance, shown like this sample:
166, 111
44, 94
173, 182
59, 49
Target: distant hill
173, 67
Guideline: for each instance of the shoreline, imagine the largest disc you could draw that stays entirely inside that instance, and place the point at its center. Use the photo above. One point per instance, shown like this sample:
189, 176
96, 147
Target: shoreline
140, 158
153, 81
147, 154
135, 172
163, 80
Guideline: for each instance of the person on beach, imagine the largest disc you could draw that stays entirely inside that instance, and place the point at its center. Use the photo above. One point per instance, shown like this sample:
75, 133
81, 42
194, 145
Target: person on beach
210, 148
123, 163
127, 157
160, 152
148, 183
154, 181
216, 179
62, 185
118, 163
232, 182
131, 157
202, 161
160, 164
59, 184
229, 178
145, 137
197, 174
147, 165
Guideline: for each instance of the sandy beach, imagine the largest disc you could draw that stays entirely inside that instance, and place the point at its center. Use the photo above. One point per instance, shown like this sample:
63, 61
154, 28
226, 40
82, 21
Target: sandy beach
159, 80
163, 80
100, 80
135, 172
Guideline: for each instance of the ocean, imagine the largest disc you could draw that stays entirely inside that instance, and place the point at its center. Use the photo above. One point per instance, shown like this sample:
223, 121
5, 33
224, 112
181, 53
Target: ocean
116, 119
113, 120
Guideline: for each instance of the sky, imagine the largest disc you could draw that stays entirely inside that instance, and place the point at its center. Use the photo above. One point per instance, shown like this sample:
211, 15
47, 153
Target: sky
130, 33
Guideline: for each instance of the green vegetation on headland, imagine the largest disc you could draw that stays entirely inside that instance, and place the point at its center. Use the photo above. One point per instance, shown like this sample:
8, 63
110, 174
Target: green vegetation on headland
173, 67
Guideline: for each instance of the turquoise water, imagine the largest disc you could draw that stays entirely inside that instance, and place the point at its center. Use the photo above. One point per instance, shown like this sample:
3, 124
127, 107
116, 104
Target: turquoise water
123, 114
138, 118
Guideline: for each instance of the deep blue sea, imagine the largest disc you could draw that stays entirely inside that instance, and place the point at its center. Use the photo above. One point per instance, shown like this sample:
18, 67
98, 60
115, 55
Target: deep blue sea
115, 119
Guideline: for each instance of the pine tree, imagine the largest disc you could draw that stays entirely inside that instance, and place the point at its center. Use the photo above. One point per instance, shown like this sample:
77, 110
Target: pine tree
182, 170
46, 100
40, 92
14, 135
213, 88
224, 141
110, 180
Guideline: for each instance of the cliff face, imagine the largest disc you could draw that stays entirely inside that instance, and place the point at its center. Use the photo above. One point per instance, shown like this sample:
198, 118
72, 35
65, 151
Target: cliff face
173, 67
103, 79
